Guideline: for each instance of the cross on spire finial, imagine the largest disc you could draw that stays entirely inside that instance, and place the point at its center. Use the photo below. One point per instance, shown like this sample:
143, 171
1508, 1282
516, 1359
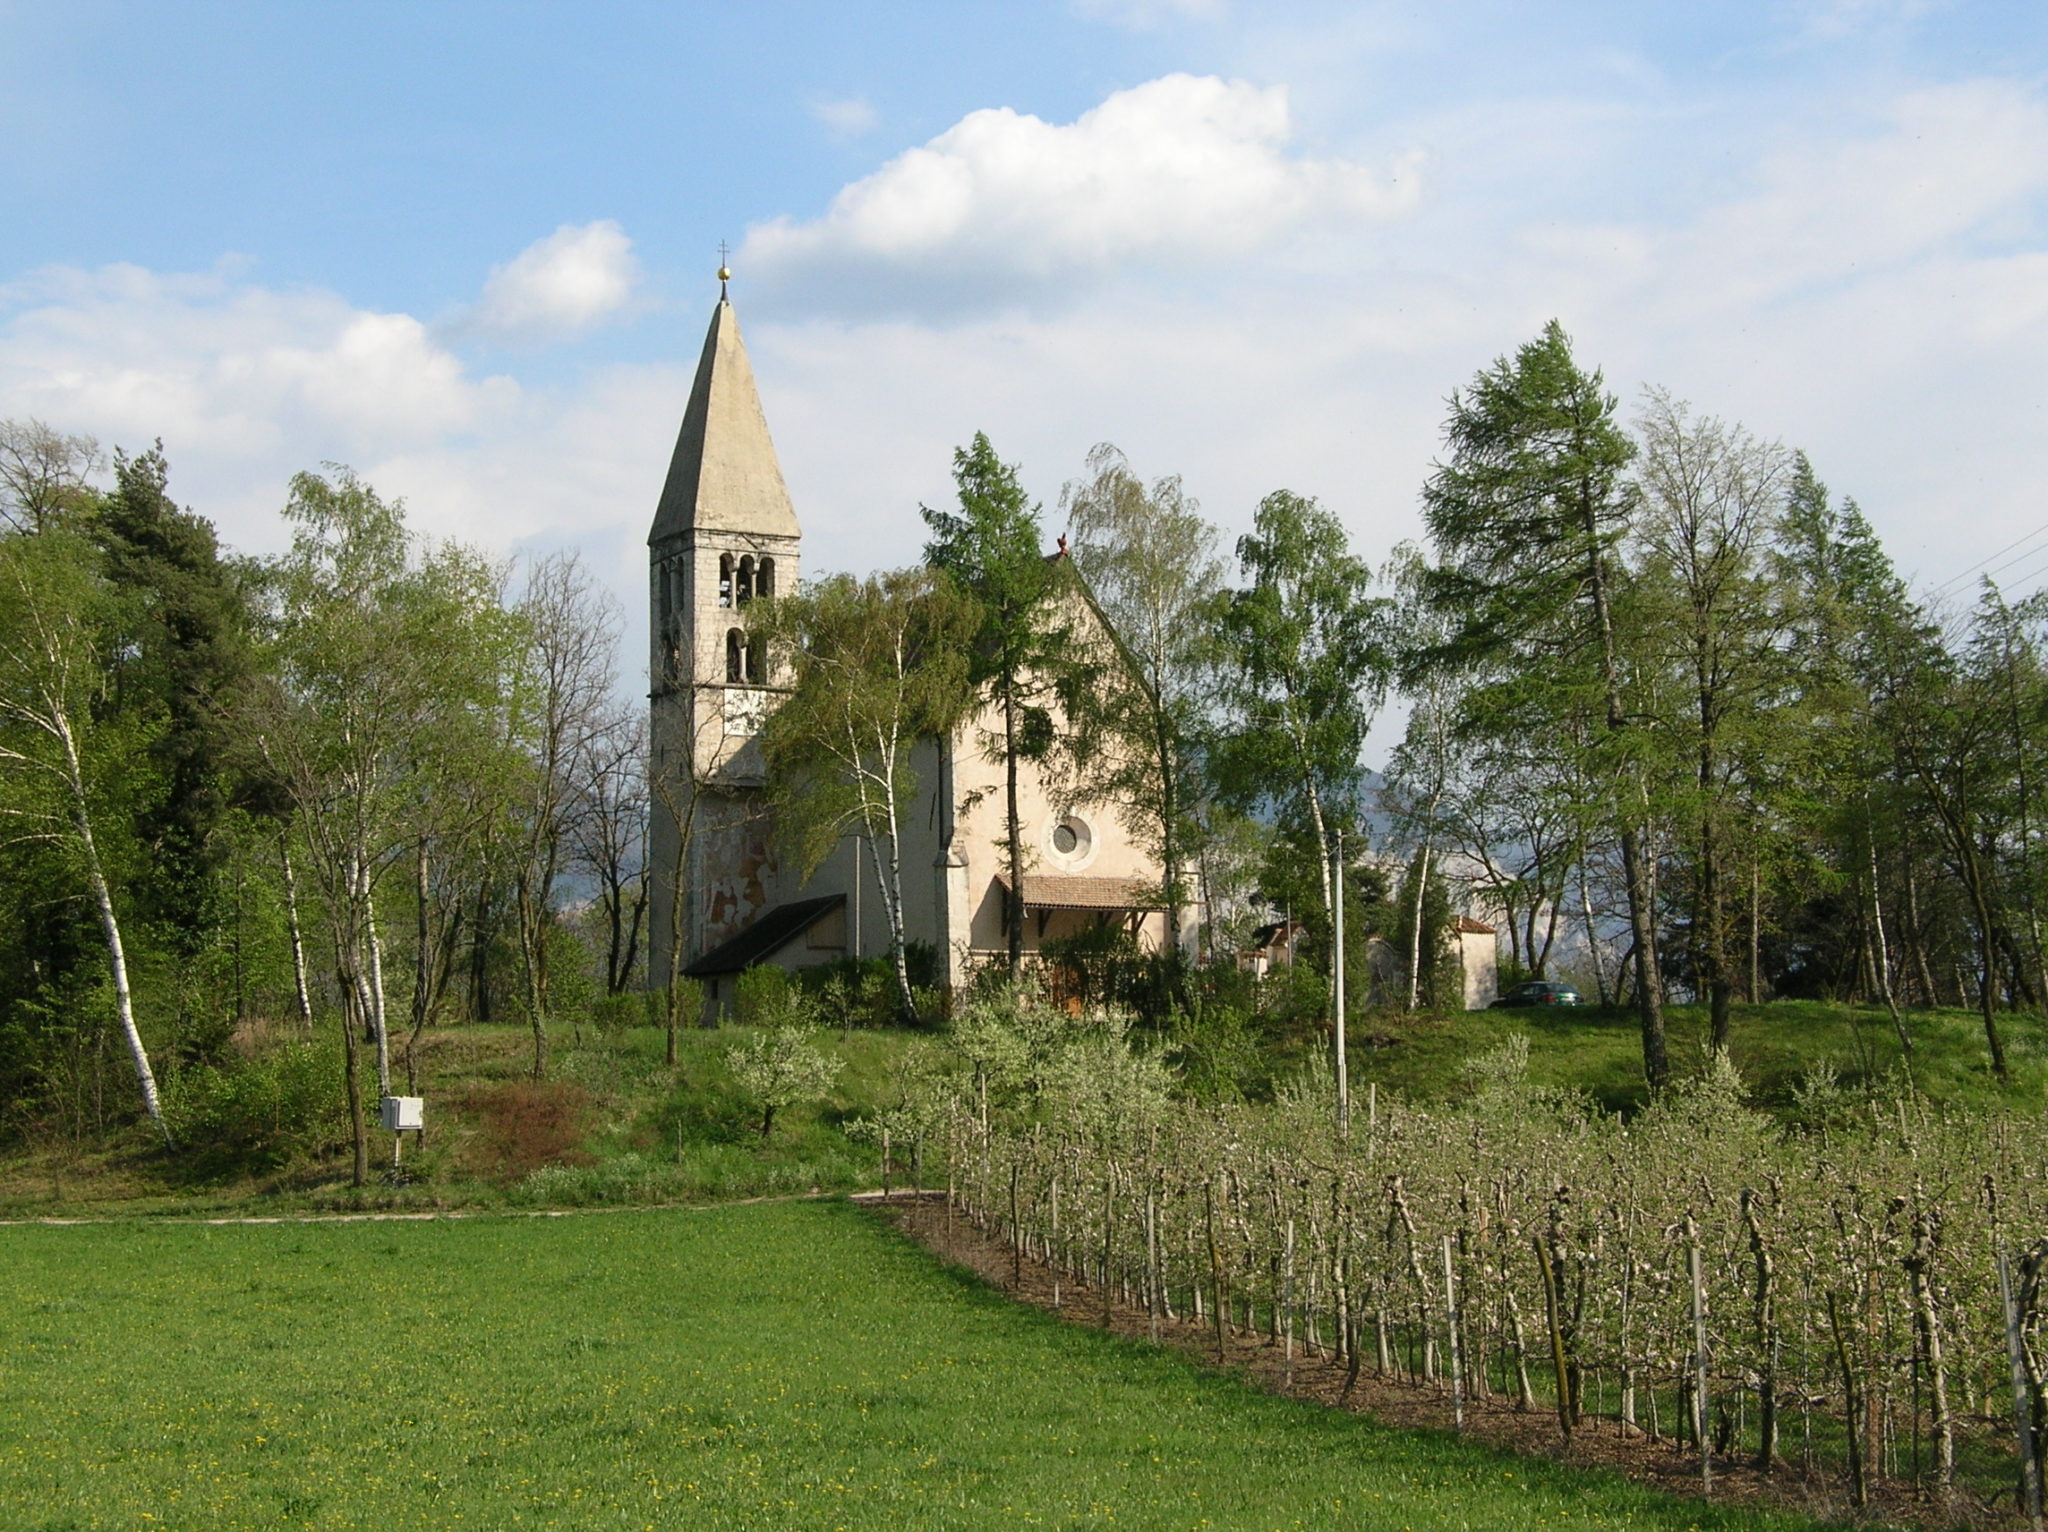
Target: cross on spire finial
724, 271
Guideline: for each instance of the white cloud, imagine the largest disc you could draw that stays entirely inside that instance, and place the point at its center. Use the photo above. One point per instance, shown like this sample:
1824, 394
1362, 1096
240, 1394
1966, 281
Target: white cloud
1177, 169
1875, 292
848, 117
249, 384
220, 364
576, 278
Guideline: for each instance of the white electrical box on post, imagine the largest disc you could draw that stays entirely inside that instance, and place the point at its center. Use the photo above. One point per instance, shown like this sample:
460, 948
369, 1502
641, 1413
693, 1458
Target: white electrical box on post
402, 1115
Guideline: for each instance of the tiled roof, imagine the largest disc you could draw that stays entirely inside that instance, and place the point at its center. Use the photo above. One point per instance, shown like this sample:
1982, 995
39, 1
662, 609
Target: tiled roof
782, 924
1467, 926
1066, 891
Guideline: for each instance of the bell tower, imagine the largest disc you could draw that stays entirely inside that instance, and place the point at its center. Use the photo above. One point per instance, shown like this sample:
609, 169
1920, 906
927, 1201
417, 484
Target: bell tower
724, 538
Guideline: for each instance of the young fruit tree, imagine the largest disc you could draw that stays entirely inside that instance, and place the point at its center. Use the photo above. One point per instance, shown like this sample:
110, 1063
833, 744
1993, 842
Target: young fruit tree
779, 1068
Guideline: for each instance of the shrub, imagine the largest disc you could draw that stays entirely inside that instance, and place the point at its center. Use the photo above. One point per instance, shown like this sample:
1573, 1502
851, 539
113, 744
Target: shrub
614, 1013
770, 997
281, 1105
781, 1069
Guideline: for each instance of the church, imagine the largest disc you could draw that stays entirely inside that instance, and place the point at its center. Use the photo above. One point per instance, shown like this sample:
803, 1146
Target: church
724, 897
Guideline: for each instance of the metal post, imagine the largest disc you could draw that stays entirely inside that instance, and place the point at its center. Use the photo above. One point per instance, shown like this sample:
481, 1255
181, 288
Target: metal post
2022, 1400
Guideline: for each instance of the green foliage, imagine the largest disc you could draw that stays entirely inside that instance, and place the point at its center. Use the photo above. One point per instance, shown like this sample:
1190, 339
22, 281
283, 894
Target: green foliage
1023, 656
1148, 558
1305, 669
780, 1068
278, 1107
689, 1002
181, 650
767, 996
1218, 1052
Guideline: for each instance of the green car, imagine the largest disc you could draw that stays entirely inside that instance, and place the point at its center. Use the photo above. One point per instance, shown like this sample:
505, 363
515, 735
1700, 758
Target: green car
1538, 992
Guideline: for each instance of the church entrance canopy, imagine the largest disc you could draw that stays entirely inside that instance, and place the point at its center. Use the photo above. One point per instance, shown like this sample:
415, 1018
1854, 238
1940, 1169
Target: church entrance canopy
1068, 891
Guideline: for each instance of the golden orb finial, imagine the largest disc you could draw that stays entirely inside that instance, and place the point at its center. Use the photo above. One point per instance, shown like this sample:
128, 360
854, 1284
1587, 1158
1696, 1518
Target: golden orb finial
725, 273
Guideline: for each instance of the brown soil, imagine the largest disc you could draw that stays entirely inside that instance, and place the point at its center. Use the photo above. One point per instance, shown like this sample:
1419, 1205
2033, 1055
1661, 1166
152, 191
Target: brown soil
1420, 1406
524, 1125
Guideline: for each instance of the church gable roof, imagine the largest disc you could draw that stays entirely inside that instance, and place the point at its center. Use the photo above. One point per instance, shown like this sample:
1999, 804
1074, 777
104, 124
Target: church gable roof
724, 475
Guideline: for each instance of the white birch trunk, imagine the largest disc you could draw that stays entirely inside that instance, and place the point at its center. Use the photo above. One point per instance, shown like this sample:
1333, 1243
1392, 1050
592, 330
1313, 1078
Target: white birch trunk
110, 927
373, 991
301, 990
1415, 933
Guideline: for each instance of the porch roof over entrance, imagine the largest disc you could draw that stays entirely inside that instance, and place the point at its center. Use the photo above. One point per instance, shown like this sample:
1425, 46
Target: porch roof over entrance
1068, 891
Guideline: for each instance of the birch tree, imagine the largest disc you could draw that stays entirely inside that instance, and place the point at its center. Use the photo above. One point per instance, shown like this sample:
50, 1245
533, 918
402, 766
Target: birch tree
382, 655
59, 762
1148, 559
1305, 668
876, 667
1711, 500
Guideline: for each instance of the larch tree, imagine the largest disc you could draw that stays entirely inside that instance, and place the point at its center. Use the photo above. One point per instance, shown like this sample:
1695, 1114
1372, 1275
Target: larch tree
875, 667
1148, 559
1525, 515
1021, 655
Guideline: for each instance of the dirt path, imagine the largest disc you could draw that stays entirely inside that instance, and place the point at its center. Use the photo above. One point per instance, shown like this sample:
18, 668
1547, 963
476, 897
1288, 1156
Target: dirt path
1421, 1406
431, 1215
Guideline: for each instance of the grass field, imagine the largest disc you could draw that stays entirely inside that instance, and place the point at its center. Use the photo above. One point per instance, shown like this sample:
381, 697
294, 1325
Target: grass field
614, 1126
1599, 1051
776, 1365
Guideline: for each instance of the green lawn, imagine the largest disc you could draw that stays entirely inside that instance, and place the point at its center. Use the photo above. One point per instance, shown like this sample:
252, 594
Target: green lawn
1600, 1051
781, 1365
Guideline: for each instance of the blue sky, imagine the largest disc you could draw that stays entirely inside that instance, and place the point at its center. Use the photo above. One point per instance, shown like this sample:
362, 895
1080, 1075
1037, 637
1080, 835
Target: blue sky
468, 249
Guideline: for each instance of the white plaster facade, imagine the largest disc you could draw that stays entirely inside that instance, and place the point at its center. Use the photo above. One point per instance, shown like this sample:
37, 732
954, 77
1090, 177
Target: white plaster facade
724, 514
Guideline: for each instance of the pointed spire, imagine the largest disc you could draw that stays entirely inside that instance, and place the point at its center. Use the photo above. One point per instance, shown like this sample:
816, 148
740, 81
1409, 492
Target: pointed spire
724, 476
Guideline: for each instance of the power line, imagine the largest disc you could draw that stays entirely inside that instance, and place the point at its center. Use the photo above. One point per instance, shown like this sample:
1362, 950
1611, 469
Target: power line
2040, 566
1958, 579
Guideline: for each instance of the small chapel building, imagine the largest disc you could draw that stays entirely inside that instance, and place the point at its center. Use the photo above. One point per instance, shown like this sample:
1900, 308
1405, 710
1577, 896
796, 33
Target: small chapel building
724, 897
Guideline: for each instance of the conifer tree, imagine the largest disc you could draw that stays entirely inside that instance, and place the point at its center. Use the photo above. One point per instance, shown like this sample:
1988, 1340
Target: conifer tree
1021, 662
1526, 515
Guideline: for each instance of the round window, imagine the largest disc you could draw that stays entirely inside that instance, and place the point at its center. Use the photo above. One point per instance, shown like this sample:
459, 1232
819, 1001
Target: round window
1071, 841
